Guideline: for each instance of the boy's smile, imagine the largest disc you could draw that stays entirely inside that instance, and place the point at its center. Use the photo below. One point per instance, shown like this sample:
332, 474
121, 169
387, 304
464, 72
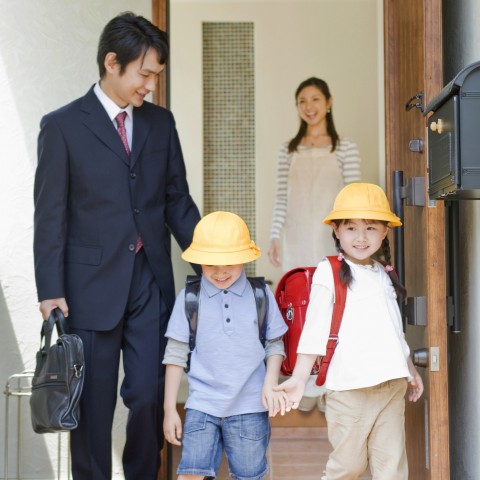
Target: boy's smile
222, 276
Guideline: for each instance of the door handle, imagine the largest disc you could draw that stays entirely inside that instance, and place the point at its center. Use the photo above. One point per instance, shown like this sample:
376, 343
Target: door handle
420, 357
398, 235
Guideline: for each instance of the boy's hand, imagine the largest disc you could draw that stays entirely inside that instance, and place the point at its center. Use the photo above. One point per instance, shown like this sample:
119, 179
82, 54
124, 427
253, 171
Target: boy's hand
293, 388
274, 402
172, 427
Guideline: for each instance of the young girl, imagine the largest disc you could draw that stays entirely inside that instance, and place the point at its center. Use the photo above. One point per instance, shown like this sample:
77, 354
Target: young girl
369, 372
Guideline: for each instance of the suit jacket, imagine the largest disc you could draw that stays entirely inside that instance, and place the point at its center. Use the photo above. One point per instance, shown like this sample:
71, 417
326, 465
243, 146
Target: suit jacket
91, 200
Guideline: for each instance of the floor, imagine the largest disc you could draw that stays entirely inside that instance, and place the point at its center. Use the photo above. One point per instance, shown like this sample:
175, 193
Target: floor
295, 453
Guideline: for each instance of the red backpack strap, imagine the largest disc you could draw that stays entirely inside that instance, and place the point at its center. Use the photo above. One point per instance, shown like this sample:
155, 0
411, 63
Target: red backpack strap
337, 315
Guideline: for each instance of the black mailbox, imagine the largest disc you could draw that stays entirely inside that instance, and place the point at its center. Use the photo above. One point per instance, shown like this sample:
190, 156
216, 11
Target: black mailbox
454, 138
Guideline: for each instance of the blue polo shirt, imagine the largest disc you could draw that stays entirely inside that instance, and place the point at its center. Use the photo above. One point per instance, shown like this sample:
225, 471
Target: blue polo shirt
227, 366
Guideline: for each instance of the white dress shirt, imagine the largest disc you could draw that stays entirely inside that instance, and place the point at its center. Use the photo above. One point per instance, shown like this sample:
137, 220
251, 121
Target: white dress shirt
113, 110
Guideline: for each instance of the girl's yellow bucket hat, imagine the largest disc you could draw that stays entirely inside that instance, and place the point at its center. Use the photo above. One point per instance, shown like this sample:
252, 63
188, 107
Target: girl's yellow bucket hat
362, 201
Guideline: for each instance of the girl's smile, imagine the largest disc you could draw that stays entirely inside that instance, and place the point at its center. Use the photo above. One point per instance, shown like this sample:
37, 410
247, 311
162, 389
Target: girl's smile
360, 239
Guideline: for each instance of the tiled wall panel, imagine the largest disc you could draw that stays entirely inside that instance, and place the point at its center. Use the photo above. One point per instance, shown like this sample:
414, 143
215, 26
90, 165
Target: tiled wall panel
229, 120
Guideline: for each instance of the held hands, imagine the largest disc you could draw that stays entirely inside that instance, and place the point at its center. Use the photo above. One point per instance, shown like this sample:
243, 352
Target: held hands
172, 427
293, 388
274, 402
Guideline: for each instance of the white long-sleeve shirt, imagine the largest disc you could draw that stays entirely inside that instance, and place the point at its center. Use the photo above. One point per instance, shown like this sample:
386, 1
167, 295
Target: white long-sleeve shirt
372, 347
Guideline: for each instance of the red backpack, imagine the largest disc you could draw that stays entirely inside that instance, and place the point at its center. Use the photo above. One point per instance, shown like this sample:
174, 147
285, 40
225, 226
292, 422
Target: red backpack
292, 295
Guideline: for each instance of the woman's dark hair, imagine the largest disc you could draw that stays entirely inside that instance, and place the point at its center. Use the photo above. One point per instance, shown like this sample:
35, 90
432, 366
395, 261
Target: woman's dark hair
130, 36
332, 132
345, 273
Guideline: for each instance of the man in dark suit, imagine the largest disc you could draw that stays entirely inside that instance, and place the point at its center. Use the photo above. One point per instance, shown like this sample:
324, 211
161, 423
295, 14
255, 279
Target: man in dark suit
108, 193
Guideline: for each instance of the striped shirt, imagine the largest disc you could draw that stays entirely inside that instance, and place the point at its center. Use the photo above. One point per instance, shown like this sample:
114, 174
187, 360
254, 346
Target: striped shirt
348, 160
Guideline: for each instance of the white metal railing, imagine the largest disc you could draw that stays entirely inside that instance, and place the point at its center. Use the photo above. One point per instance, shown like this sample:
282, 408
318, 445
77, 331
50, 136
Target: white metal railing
19, 385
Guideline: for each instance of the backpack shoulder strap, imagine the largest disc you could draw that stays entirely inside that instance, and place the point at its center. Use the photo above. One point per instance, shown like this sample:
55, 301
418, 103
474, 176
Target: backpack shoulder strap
259, 288
337, 314
192, 298
340, 295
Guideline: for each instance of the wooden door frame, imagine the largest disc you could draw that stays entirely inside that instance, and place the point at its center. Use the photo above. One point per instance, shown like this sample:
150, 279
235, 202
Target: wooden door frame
435, 263
160, 97
161, 20
436, 266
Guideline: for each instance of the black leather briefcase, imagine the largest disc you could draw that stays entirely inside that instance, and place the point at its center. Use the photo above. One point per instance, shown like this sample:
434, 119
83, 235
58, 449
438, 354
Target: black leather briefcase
58, 379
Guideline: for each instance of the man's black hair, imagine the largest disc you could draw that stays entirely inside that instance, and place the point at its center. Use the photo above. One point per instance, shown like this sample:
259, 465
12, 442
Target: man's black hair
130, 36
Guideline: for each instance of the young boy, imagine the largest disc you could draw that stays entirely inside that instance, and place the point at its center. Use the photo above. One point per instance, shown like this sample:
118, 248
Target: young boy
232, 375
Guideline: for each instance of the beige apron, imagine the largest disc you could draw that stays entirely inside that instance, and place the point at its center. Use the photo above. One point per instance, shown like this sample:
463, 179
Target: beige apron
314, 180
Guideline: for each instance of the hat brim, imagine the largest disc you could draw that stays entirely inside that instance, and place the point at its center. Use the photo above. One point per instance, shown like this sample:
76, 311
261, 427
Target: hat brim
389, 217
203, 257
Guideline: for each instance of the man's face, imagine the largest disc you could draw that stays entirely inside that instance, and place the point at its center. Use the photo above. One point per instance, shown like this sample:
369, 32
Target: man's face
137, 81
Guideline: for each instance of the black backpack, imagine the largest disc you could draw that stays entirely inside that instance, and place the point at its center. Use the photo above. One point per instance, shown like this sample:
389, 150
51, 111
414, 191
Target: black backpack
192, 294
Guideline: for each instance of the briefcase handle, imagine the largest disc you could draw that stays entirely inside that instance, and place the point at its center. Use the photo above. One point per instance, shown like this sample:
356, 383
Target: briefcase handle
62, 327
56, 318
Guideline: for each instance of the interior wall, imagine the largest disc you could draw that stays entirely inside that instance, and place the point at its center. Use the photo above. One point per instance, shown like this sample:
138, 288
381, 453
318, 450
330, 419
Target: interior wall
47, 59
337, 40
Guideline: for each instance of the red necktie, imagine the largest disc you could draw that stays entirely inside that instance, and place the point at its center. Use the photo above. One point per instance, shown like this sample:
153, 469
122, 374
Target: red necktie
120, 119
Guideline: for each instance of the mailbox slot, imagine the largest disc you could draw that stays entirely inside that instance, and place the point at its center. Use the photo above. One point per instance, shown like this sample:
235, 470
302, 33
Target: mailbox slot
453, 132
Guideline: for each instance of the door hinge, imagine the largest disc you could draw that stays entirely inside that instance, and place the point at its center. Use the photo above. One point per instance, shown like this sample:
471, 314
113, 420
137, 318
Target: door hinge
416, 102
416, 311
414, 192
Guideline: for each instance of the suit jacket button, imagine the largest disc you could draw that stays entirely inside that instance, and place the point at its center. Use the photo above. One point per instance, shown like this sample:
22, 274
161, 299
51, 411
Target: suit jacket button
136, 210
133, 175
131, 247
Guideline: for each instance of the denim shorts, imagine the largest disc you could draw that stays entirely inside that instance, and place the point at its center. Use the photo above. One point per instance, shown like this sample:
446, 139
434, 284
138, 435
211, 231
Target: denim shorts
244, 438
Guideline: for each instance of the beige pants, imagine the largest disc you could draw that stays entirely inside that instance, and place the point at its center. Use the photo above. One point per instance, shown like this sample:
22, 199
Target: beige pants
367, 427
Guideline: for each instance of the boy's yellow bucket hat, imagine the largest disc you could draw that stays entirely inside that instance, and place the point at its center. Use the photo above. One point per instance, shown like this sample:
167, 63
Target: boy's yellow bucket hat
364, 201
221, 238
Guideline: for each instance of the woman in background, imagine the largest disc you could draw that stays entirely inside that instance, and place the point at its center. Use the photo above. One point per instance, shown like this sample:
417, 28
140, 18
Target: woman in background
312, 168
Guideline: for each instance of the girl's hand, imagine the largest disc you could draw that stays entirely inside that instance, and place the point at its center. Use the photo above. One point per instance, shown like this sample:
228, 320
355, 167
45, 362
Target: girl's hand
172, 427
274, 402
415, 385
293, 388
274, 253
